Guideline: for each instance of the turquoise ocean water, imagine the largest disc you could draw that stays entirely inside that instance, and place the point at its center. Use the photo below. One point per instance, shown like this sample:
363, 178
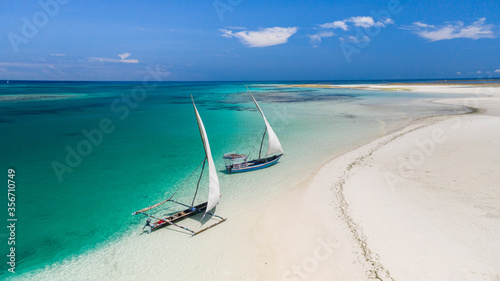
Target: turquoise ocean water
67, 205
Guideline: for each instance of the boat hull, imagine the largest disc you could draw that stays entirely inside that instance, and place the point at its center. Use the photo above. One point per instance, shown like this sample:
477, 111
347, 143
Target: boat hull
256, 164
179, 216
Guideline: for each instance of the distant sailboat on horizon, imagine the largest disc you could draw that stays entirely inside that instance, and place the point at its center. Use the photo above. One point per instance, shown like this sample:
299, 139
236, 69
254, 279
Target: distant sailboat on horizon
239, 162
213, 193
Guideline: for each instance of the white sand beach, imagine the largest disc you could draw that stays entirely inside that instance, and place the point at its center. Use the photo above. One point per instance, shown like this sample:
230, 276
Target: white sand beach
422, 203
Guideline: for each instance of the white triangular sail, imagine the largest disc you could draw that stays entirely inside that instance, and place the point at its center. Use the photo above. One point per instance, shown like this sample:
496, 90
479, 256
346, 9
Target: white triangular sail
274, 145
213, 180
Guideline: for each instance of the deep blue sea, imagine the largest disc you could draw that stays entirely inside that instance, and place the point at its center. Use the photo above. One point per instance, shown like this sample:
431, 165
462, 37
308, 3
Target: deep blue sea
88, 154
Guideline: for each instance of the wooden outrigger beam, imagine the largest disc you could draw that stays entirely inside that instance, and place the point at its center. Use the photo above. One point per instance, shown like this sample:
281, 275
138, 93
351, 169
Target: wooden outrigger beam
219, 222
151, 207
213, 215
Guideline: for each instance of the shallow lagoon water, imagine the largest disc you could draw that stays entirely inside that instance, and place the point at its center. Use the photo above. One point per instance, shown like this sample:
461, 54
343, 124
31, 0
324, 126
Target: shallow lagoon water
155, 145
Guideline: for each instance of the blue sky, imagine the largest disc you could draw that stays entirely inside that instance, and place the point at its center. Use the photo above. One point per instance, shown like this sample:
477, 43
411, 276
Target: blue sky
234, 40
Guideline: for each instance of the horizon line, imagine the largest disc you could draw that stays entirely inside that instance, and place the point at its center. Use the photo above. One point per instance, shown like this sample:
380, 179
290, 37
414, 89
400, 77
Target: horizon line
237, 81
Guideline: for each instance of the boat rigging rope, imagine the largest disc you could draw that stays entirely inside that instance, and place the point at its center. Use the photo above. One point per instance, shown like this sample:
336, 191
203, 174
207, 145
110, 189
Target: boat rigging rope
255, 144
262, 142
187, 180
169, 199
198, 184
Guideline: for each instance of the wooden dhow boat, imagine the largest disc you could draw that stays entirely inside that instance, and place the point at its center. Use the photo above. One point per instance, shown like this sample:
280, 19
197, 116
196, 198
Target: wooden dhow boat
239, 162
192, 209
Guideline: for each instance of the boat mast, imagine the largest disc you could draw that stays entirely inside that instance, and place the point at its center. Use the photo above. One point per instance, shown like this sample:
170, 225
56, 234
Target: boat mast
198, 184
202, 141
274, 145
262, 142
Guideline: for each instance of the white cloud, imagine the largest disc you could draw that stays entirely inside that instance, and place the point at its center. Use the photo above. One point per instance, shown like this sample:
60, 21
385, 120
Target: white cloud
364, 22
124, 55
123, 59
479, 72
421, 24
459, 73
262, 38
388, 21
236, 27
25, 65
347, 24
355, 39
476, 30
367, 22
497, 71
335, 24
226, 33
316, 38
57, 55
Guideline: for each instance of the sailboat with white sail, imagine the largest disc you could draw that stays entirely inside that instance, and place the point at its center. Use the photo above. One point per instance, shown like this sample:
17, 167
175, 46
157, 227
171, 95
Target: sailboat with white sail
239, 162
191, 210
